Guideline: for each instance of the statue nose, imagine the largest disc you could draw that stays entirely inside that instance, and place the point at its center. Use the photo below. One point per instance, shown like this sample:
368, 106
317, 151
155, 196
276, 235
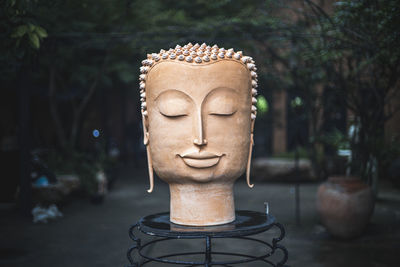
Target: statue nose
199, 139
200, 142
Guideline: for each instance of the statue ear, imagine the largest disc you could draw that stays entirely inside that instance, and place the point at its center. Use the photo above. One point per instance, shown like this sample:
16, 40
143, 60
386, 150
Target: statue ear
249, 158
145, 123
146, 143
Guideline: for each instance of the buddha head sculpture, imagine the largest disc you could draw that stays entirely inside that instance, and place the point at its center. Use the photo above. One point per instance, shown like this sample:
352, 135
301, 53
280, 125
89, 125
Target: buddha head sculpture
198, 111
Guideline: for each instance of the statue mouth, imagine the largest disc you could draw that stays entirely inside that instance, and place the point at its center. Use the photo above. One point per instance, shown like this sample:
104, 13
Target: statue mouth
201, 160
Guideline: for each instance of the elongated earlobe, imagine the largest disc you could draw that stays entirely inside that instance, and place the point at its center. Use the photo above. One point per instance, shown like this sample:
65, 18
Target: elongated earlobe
250, 153
150, 169
149, 161
249, 162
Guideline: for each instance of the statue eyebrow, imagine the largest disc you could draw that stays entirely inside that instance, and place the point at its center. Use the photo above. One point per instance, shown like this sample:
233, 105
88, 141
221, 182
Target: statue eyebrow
218, 89
223, 87
172, 90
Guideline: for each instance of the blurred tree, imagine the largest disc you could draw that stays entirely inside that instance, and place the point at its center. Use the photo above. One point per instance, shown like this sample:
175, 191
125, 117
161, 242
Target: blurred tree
81, 46
21, 36
354, 52
77, 49
93, 44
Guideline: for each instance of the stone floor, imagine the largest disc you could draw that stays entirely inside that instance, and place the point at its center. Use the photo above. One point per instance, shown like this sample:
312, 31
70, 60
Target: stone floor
96, 235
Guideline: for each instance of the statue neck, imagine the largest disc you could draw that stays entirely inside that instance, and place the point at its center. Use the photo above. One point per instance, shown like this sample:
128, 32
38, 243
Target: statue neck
202, 204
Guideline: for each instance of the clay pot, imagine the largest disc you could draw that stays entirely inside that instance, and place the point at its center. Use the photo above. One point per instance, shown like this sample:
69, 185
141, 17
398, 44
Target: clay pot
345, 205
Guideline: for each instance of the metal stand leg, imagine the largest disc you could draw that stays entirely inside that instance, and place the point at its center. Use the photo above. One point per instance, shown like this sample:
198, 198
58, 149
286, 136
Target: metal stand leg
276, 246
136, 246
297, 189
208, 251
297, 197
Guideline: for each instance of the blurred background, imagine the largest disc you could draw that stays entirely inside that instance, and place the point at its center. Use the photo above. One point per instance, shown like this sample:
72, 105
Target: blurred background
71, 147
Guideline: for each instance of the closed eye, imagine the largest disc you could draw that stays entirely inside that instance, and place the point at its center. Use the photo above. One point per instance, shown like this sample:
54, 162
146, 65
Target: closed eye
174, 104
174, 116
219, 113
221, 102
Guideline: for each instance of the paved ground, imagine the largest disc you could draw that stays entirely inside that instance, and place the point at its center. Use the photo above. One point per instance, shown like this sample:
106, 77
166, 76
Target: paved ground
96, 235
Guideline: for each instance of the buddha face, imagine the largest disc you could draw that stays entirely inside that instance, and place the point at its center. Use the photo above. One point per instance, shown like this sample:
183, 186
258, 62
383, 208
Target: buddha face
198, 124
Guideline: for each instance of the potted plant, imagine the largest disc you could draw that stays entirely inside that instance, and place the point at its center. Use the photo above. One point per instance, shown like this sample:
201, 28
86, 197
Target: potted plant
345, 202
359, 56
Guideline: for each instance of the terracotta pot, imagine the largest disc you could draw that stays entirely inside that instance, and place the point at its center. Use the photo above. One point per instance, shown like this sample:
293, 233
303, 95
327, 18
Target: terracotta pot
345, 206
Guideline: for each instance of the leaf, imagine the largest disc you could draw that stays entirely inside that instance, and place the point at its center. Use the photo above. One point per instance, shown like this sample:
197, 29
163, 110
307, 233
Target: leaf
42, 33
19, 31
31, 27
34, 40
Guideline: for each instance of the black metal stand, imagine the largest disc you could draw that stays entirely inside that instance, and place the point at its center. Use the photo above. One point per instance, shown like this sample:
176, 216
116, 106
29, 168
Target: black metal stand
247, 223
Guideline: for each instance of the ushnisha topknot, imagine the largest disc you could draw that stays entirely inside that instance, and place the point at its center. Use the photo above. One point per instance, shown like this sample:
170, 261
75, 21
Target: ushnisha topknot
197, 54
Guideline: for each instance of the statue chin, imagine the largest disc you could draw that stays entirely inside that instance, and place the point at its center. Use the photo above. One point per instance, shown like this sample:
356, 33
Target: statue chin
198, 118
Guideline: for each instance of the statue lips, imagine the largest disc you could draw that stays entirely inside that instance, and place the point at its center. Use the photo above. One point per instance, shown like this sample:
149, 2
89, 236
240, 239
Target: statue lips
201, 160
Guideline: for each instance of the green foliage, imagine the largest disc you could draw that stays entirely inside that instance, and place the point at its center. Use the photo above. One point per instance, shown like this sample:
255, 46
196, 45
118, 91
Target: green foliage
21, 37
296, 102
336, 139
353, 52
262, 105
75, 163
302, 154
33, 32
85, 165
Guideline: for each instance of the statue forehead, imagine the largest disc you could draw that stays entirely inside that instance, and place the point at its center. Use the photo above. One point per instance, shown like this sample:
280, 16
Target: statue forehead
200, 65
215, 74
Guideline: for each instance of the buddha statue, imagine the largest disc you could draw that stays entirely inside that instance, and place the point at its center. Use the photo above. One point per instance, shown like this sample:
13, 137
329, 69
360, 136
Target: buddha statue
198, 111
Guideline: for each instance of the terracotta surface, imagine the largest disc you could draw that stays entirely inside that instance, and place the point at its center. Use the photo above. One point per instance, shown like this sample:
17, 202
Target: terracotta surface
198, 122
345, 205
